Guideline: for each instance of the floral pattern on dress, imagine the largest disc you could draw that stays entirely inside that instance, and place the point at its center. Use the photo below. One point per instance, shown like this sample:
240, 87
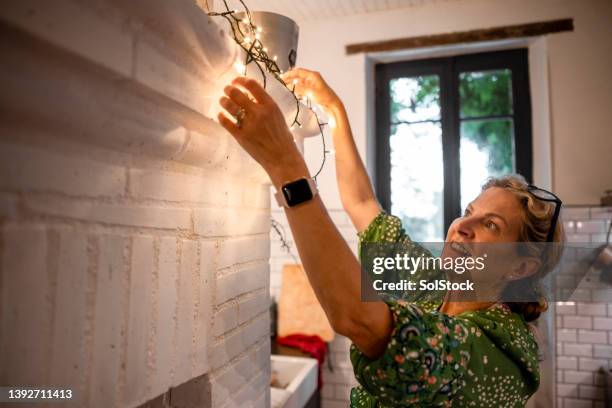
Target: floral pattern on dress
426, 358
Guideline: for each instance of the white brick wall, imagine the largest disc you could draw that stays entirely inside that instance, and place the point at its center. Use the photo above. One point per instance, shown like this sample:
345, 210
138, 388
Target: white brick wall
140, 318
584, 327
24, 291
134, 232
70, 314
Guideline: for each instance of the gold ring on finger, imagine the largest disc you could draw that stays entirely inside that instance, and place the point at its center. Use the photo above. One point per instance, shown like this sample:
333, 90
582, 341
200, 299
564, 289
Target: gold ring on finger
240, 117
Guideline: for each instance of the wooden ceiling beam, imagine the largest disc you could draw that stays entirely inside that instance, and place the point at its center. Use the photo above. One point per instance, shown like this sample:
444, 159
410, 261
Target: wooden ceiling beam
487, 34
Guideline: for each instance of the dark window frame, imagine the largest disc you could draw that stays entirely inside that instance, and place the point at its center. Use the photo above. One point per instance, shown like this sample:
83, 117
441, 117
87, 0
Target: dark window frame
448, 69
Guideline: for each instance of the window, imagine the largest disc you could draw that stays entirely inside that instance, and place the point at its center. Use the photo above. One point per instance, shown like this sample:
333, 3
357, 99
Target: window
442, 127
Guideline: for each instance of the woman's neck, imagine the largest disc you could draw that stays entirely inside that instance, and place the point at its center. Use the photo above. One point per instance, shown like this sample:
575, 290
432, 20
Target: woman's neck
454, 308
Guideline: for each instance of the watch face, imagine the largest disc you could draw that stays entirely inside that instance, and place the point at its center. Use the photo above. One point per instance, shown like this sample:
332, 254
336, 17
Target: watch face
297, 192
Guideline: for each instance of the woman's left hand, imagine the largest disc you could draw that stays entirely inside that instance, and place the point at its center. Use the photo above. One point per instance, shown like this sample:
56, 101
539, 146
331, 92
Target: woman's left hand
261, 129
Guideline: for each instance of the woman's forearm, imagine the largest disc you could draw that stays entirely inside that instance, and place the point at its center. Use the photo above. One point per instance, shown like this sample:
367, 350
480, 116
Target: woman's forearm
334, 272
354, 185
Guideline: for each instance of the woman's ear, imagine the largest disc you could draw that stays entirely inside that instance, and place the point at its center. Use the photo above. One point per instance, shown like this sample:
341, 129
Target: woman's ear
524, 267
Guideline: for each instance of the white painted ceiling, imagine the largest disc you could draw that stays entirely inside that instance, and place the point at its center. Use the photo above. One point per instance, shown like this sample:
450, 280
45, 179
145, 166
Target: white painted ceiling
304, 10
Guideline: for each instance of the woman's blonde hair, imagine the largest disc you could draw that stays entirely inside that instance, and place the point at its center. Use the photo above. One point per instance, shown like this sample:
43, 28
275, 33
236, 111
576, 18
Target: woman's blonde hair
536, 216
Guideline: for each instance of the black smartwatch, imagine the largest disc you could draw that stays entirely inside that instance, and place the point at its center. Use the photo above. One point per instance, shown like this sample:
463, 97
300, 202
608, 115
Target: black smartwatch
296, 192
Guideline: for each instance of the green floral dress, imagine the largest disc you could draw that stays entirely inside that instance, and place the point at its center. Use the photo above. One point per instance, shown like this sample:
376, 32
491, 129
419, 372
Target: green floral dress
486, 358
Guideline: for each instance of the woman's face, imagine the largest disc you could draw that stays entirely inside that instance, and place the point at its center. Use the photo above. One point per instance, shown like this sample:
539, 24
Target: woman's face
490, 227
494, 216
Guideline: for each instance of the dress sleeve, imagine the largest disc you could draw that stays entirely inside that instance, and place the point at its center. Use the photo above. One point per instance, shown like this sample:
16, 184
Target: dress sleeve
388, 229
425, 360
383, 228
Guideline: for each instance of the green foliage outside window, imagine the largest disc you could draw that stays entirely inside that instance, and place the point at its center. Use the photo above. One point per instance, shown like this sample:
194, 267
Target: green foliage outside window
482, 94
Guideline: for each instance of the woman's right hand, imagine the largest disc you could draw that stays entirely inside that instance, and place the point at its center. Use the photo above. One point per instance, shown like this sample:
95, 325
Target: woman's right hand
311, 84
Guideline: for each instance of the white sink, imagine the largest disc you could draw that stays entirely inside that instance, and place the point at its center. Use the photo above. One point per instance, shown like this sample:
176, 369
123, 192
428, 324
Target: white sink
301, 375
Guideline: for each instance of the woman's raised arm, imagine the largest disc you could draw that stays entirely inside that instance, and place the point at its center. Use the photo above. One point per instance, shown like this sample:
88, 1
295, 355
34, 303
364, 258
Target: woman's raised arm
331, 266
356, 191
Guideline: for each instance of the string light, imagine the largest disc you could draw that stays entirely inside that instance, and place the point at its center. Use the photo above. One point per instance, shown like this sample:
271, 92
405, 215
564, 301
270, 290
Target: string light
331, 122
282, 236
257, 54
240, 67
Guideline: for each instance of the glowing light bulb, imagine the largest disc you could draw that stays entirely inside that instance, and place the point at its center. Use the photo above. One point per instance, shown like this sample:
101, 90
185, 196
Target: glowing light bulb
235, 11
245, 20
265, 49
240, 67
259, 29
247, 39
295, 81
257, 36
332, 122
275, 58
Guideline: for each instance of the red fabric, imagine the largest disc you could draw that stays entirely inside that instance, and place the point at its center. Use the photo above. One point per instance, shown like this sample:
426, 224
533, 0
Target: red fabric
312, 345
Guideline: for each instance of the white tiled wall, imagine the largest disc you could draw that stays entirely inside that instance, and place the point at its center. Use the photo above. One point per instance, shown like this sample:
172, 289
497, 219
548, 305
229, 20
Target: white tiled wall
584, 328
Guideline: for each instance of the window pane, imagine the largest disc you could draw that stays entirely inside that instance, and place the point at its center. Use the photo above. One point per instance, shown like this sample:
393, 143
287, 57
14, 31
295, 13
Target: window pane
417, 179
487, 149
485, 93
415, 99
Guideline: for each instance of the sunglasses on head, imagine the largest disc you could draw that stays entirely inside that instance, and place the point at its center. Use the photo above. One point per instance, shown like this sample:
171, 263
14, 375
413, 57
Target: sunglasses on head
544, 195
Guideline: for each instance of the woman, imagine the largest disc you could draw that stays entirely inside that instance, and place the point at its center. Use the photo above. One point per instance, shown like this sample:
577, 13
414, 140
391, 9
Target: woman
444, 353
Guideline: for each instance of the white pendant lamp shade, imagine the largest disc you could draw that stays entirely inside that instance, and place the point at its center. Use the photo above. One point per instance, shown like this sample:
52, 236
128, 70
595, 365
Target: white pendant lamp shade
279, 35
